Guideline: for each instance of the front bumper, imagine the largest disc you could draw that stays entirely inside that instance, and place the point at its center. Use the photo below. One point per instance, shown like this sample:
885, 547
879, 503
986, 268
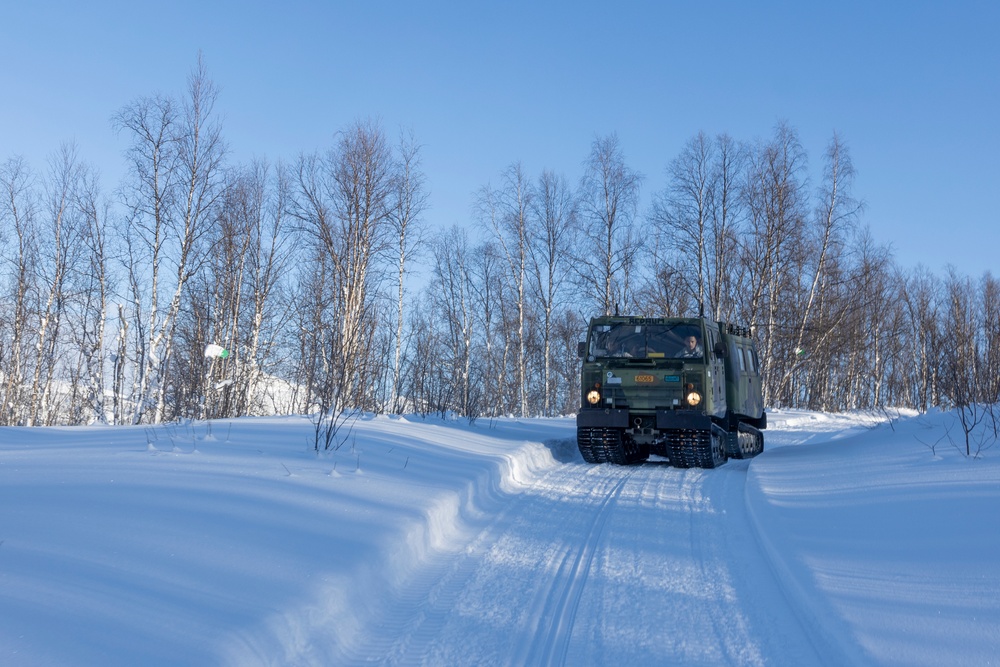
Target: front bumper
687, 420
602, 418
666, 420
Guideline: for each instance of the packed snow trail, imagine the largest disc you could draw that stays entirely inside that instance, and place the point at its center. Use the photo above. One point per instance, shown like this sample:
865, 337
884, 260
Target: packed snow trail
439, 543
597, 565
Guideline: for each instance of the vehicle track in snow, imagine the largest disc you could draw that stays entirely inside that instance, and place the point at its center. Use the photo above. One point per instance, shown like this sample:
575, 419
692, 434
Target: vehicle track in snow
417, 623
593, 565
681, 580
557, 603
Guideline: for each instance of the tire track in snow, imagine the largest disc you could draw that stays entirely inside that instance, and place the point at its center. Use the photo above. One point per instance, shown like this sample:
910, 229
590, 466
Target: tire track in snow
595, 565
418, 611
557, 604
418, 626
679, 579
744, 614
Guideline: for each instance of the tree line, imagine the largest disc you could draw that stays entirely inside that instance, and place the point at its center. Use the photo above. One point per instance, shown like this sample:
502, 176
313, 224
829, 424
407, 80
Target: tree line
332, 291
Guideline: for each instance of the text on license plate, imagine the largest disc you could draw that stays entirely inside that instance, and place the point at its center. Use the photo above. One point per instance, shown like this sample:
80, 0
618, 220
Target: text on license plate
644, 378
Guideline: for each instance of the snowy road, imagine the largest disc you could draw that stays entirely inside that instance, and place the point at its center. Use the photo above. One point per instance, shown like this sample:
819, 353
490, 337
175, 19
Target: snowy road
598, 565
442, 543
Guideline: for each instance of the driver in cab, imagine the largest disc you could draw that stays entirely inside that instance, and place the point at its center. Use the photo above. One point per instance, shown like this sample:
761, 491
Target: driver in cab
692, 349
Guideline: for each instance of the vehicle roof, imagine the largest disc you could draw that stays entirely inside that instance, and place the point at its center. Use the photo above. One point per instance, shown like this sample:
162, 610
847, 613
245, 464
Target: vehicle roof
728, 329
626, 319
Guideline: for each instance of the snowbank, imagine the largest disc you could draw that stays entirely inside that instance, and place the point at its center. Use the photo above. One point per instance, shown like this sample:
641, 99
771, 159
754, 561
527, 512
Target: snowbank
235, 543
887, 537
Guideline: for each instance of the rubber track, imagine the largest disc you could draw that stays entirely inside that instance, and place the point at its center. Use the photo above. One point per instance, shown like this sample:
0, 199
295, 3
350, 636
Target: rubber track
747, 442
599, 445
689, 448
594, 445
606, 445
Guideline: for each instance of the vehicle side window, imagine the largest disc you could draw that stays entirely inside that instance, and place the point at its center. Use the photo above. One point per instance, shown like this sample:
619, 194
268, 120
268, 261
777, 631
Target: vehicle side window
743, 365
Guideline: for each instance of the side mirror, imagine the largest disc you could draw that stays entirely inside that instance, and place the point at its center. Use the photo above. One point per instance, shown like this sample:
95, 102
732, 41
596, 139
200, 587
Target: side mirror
721, 351
581, 349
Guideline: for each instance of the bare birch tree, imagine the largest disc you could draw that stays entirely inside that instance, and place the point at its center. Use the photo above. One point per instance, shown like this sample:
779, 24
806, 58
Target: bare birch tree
550, 243
833, 219
249, 251
725, 215
681, 214
343, 203
504, 212
266, 287
97, 289
608, 199
408, 202
454, 305
175, 158
489, 291
773, 245
19, 252
990, 327
54, 266
921, 295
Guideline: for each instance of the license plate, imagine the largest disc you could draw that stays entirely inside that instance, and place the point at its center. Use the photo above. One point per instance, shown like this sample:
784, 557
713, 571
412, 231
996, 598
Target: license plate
671, 378
644, 378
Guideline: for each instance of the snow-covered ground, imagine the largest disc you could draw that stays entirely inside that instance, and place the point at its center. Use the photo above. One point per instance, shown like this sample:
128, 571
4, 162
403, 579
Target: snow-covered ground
848, 542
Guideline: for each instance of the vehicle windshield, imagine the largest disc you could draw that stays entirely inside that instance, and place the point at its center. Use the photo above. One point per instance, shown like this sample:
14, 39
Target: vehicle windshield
647, 341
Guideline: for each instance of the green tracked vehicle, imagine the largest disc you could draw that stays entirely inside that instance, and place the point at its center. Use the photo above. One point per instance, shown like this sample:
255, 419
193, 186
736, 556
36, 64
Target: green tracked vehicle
688, 389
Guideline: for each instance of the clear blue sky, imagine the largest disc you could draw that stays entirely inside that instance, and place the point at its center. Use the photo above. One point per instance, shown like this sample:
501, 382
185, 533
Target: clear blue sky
913, 88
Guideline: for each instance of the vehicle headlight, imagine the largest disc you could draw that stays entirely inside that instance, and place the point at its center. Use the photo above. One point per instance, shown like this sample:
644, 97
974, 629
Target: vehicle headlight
693, 398
593, 397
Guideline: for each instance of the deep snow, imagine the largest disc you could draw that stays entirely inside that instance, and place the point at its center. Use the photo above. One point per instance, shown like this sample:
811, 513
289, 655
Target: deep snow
849, 541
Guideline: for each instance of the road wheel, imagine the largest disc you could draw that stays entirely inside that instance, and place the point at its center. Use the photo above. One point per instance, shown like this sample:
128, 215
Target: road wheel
718, 448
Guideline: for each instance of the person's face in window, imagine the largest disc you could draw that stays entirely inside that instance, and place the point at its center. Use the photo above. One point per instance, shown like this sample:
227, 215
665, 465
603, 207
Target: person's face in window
692, 343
